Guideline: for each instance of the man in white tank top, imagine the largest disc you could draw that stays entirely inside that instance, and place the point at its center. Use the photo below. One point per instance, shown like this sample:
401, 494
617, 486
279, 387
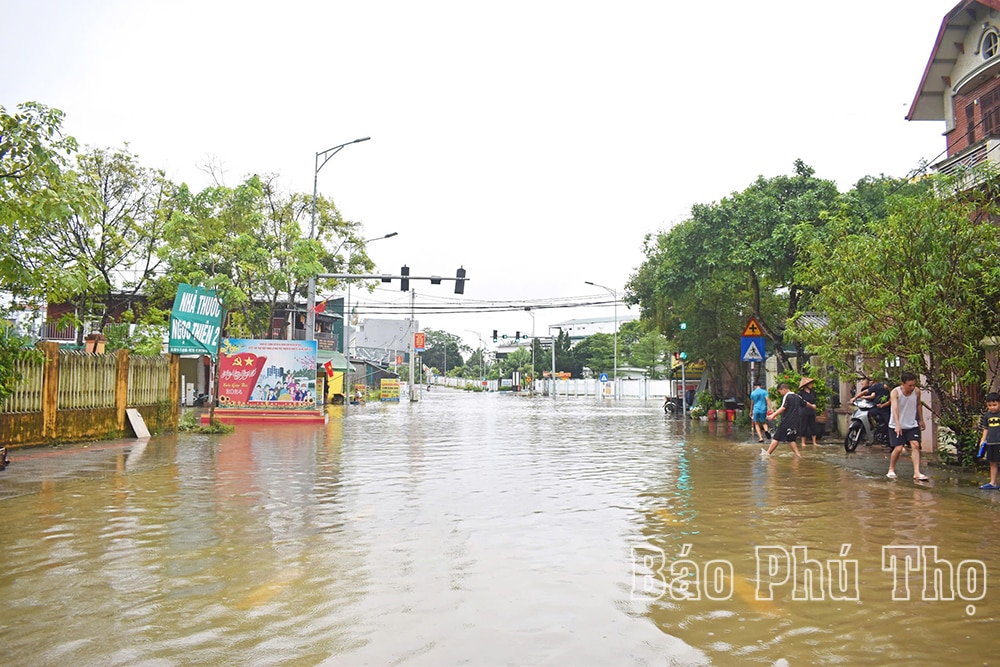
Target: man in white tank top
906, 421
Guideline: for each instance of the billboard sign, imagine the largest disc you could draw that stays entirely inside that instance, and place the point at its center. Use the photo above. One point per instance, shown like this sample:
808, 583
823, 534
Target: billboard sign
267, 374
195, 321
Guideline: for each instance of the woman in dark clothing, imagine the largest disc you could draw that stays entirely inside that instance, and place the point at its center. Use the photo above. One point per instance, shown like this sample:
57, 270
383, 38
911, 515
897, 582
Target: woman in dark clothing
808, 425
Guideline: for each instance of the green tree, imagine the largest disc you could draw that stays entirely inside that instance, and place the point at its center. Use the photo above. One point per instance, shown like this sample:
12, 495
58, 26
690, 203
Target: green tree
36, 190
443, 351
920, 284
650, 352
731, 260
517, 360
246, 242
477, 365
566, 358
596, 352
110, 250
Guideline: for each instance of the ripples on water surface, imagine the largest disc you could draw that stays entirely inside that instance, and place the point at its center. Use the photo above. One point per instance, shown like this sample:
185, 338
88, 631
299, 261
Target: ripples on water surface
472, 529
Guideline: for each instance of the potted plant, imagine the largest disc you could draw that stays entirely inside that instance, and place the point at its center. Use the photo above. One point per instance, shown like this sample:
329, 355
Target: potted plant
706, 402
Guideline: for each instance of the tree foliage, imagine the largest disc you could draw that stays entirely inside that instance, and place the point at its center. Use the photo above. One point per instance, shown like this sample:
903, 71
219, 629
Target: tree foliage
443, 351
731, 260
246, 242
920, 284
36, 189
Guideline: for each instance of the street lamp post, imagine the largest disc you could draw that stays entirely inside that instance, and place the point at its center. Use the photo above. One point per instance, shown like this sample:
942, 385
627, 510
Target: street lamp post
531, 391
347, 309
553, 378
482, 354
311, 299
613, 293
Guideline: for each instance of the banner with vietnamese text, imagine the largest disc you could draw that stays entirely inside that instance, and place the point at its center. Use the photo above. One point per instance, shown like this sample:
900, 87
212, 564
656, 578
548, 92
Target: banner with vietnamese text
264, 374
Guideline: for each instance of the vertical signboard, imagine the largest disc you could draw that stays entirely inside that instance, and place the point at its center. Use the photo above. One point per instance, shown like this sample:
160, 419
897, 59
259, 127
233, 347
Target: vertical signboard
195, 321
389, 390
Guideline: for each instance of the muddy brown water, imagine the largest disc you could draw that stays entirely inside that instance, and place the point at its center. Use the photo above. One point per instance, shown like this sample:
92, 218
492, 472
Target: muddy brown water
485, 529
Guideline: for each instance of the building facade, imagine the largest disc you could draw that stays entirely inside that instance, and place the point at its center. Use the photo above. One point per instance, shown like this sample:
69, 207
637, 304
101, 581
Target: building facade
960, 85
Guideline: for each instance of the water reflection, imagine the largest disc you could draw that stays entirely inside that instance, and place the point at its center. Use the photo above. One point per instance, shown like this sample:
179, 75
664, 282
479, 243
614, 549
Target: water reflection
480, 529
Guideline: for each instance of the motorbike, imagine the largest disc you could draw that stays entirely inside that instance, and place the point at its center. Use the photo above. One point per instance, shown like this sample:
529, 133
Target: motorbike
673, 405
865, 427
201, 400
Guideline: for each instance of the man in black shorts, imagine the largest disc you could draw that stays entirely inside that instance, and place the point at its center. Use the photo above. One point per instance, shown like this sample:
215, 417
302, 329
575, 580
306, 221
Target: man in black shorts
788, 429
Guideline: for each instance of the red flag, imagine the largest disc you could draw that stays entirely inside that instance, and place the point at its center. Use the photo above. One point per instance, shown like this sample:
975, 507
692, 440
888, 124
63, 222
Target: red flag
319, 307
329, 368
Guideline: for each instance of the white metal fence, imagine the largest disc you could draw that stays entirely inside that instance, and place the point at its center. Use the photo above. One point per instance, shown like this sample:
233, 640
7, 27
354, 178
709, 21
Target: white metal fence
27, 396
86, 380
148, 380
641, 389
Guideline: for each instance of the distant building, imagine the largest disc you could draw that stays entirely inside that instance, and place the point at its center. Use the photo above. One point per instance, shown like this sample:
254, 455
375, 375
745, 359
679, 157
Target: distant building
579, 329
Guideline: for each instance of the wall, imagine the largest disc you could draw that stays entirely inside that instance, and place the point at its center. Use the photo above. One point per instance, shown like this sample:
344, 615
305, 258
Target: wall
106, 419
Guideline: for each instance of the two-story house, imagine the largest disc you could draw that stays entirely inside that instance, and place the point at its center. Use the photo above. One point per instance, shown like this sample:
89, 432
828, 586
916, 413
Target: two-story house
961, 85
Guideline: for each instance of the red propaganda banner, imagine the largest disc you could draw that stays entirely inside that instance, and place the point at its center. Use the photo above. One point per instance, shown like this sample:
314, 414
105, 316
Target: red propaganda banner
419, 340
241, 372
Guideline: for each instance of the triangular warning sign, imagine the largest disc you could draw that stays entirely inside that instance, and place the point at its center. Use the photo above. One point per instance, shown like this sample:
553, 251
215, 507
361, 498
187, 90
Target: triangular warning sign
752, 329
753, 354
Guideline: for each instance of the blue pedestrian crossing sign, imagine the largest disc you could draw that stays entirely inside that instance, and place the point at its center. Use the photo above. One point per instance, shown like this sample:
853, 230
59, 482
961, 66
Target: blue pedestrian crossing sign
752, 348
604, 377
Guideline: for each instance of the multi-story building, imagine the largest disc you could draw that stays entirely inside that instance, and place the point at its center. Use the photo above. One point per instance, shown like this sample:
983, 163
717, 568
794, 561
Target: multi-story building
961, 85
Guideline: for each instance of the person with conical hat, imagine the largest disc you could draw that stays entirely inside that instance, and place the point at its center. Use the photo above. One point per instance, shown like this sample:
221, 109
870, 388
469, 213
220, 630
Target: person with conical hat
807, 420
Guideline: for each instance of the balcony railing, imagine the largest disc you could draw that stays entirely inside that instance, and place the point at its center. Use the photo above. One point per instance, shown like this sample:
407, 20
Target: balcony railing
52, 330
966, 167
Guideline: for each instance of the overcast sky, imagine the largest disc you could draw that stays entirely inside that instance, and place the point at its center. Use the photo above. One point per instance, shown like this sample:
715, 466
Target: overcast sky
534, 143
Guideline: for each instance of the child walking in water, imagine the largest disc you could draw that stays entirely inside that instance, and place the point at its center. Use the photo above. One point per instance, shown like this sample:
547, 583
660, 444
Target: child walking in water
990, 423
787, 429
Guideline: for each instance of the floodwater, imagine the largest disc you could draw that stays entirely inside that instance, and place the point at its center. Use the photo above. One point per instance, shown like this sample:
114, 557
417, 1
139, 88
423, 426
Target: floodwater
485, 529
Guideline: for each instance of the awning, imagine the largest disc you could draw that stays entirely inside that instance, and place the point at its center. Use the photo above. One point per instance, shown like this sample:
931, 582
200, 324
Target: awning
339, 362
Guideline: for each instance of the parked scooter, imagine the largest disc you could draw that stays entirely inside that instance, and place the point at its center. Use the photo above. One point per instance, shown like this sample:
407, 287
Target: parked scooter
865, 427
200, 400
673, 405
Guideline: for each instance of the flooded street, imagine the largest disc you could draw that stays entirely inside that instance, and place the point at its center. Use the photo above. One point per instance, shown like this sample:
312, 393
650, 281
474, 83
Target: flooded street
487, 529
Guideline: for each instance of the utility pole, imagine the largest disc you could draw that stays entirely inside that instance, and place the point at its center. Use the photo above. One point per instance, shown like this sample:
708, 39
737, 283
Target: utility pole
413, 387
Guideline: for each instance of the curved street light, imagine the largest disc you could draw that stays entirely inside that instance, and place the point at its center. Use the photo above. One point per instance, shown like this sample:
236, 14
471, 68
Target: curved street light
311, 299
482, 354
347, 306
613, 293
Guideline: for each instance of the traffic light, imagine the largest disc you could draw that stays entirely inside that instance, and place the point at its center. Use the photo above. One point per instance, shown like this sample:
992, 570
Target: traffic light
404, 282
517, 335
494, 335
684, 355
460, 281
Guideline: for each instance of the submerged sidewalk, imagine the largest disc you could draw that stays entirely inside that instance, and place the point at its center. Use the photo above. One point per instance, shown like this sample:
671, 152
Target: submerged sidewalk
873, 462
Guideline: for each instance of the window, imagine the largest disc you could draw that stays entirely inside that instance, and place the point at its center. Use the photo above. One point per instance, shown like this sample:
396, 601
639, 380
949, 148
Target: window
989, 108
970, 123
990, 44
